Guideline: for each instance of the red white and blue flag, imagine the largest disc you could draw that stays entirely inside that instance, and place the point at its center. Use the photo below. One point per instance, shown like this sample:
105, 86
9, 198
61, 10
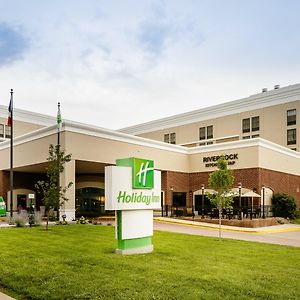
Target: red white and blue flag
9, 113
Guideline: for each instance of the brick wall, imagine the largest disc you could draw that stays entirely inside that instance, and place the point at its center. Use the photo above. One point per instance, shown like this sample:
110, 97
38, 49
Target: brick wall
21, 181
180, 183
252, 178
281, 182
4, 183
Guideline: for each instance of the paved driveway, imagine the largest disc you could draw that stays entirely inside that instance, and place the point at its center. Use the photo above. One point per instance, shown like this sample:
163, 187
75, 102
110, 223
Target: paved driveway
282, 235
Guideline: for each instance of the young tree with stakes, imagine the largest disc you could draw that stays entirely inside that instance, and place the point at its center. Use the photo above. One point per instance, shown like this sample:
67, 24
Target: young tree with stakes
53, 194
221, 181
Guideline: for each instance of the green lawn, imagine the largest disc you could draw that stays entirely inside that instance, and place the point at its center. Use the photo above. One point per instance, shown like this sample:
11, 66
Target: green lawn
78, 262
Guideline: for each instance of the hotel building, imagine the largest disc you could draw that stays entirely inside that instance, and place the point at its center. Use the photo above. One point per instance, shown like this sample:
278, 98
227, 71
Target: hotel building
258, 135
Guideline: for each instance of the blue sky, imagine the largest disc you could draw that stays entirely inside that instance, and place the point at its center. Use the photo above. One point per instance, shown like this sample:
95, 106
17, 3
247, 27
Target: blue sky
119, 63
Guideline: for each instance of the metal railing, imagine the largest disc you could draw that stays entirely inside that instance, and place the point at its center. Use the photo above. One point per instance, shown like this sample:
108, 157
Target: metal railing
249, 212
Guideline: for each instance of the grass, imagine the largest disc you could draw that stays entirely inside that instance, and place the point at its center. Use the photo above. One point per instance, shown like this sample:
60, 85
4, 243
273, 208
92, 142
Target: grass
78, 262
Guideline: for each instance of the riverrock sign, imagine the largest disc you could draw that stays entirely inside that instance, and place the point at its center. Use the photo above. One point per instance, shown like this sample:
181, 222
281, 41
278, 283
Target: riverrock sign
133, 190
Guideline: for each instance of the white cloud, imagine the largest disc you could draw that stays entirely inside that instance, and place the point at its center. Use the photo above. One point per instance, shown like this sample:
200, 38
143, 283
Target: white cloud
149, 59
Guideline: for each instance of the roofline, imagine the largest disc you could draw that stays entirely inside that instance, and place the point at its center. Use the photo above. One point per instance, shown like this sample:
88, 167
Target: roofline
70, 126
28, 116
257, 101
95, 131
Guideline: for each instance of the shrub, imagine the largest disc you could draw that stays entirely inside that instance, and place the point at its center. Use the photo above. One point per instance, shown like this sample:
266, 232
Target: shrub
82, 220
64, 222
38, 218
19, 220
297, 214
284, 205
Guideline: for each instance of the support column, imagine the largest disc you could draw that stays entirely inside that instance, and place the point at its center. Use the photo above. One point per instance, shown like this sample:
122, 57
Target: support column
68, 208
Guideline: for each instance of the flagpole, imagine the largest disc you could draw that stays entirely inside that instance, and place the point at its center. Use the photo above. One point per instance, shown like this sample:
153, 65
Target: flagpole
58, 120
58, 126
11, 177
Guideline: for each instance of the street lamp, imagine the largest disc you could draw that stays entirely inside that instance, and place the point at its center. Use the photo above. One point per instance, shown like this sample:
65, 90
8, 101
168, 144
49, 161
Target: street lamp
192, 201
172, 190
263, 188
202, 191
240, 198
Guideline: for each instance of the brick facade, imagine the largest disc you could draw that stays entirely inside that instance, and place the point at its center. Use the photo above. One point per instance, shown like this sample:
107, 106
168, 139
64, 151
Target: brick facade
21, 181
4, 183
252, 179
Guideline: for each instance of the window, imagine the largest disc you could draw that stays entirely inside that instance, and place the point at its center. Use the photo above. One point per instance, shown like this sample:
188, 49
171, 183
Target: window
255, 136
167, 138
246, 125
170, 138
173, 138
246, 137
209, 143
179, 199
291, 136
209, 130
255, 123
7, 131
1, 130
206, 132
202, 133
291, 117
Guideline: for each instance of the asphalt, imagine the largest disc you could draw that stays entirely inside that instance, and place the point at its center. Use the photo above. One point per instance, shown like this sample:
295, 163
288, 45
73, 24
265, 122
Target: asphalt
285, 234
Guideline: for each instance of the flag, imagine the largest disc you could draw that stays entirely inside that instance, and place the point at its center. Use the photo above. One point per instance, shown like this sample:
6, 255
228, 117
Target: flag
9, 113
58, 118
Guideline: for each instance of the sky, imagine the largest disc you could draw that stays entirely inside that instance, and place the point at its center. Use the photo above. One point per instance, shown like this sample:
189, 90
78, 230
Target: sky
119, 63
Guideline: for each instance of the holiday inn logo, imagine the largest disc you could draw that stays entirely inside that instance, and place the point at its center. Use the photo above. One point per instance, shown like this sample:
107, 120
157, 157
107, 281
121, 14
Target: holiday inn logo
142, 175
142, 172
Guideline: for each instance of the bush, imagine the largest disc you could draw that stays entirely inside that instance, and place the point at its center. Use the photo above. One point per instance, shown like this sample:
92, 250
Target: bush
284, 205
64, 222
297, 214
38, 218
19, 220
82, 220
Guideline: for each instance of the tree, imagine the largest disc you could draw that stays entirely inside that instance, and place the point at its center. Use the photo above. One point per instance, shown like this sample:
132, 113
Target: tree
53, 194
221, 181
284, 205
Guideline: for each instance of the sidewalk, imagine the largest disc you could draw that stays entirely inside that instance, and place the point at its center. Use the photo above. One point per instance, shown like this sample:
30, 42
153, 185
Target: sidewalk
5, 297
257, 230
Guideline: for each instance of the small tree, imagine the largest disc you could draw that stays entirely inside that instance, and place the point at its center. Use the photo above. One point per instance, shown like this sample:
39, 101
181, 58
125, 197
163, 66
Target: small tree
221, 181
53, 194
284, 205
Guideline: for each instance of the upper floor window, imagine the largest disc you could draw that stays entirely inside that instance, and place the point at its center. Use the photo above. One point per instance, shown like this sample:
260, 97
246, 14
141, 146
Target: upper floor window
246, 125
206, 132
167, 138
7, 131
255, 123
291, 117
202, 133
170, 138
291, 137
209, 131
173, 138
1, 130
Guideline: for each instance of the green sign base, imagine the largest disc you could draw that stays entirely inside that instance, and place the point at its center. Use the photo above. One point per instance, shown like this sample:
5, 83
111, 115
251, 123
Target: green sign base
131, 246
141, 250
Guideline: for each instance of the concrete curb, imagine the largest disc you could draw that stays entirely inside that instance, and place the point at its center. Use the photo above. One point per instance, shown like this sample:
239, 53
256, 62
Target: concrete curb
5, 297
258, 230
